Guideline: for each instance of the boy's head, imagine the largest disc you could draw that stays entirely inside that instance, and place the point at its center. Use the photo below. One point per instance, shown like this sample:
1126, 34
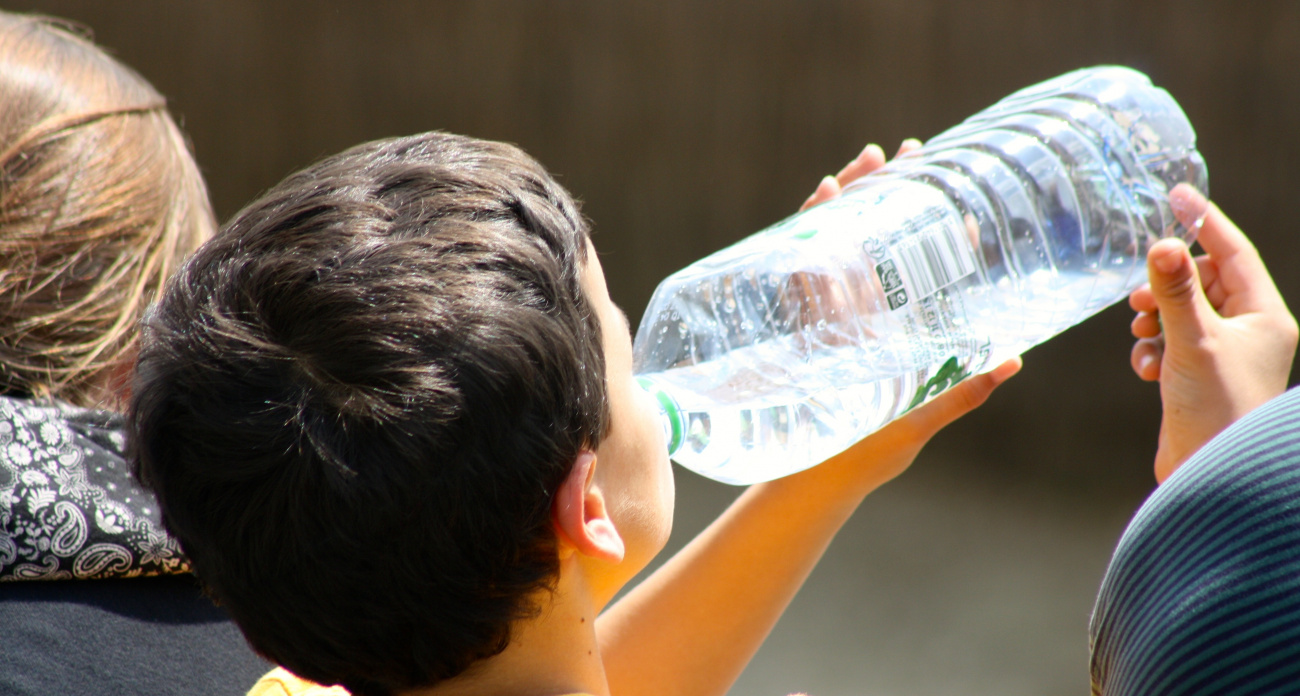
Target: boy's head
359, 403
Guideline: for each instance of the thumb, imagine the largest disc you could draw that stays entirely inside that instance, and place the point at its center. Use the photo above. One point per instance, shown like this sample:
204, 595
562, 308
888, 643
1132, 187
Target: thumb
961, 399
1176, 288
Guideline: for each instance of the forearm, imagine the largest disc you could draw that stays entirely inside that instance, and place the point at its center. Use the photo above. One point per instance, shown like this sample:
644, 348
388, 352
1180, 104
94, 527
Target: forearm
690, 629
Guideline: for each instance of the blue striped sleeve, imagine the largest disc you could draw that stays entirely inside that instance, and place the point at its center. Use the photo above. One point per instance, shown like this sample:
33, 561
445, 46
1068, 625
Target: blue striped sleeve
1202, 595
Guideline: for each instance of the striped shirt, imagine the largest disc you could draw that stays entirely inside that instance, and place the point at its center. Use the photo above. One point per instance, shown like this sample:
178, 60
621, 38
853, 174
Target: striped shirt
1202, 595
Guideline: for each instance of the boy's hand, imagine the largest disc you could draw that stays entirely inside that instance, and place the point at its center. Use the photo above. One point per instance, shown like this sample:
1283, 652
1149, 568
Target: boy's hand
1213, 330
871, 159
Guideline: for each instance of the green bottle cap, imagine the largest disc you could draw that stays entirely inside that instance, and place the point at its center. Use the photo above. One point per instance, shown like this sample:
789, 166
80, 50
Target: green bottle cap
671, 413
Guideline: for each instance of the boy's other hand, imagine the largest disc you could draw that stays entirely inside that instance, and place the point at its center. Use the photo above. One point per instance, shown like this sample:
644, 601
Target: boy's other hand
871, 159
1213, 330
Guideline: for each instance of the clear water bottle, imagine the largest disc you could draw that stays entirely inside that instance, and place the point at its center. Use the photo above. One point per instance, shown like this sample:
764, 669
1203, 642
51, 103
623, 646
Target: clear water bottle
778, 352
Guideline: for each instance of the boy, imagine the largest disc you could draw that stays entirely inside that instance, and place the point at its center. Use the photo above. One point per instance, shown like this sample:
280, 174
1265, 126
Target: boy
389, 412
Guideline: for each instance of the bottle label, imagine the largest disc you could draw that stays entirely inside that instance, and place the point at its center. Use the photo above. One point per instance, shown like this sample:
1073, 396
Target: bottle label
929, 253
949, 375
920, 259
938, 329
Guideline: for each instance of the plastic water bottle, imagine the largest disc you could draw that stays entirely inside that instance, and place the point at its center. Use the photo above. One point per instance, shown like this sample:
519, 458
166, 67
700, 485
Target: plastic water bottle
780, 351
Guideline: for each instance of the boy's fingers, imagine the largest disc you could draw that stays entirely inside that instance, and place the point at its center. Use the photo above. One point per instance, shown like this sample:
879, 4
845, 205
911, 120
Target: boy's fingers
871, 159
907, 146
1145, 358
827, 189
964, 397
1004, 372
1176, 288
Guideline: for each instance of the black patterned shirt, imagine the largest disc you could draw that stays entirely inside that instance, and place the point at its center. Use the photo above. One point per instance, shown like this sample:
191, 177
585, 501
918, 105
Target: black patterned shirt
69, 508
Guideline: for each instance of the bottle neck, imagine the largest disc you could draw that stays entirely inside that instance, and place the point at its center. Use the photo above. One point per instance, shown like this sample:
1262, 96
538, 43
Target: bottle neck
670, 414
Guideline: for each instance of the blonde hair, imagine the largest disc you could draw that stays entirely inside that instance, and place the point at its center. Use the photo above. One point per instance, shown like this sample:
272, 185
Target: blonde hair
100, 200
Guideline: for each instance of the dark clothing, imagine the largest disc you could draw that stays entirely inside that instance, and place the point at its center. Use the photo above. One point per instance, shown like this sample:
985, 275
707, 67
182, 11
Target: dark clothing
156, 635
1202, 596
68, 506
95, 597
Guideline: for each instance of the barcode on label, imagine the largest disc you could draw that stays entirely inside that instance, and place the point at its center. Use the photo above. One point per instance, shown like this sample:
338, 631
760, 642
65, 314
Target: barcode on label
935, 255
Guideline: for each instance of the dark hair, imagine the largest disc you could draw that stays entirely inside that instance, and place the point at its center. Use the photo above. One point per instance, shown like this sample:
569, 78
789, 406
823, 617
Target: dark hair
356, 402
100, 201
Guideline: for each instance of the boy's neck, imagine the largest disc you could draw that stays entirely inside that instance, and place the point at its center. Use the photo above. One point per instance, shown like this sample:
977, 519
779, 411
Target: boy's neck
553, 653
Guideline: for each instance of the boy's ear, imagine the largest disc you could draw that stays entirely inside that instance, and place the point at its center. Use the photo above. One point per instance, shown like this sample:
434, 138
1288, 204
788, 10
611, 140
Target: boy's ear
580, 516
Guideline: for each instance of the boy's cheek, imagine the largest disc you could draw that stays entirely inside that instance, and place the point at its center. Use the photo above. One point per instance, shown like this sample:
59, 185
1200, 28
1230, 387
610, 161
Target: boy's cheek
653, 472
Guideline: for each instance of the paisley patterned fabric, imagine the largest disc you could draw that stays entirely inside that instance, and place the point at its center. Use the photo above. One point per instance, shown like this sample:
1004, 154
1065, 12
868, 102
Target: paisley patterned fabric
69, 508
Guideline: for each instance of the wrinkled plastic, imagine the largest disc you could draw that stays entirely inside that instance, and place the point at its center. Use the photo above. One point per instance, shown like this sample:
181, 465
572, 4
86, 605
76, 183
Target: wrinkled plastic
779, 351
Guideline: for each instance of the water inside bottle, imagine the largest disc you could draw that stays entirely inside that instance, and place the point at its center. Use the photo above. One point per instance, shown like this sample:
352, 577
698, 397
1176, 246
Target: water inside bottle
791, 345
769, 409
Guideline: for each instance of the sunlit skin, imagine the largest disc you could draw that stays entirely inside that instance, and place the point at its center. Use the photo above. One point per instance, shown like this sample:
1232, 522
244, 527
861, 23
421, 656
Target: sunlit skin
633, 457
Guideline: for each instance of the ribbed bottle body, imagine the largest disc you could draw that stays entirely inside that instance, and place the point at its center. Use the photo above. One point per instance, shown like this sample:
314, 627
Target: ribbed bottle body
779, 351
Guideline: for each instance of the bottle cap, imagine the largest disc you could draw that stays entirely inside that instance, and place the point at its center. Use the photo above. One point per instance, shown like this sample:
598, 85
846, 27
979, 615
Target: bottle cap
670, 413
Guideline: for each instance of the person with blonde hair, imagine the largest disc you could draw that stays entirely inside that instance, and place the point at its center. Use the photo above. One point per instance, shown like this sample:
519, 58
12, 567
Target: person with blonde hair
100, 200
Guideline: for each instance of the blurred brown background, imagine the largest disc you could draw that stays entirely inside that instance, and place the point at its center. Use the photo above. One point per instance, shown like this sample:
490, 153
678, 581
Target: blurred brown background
686, 125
